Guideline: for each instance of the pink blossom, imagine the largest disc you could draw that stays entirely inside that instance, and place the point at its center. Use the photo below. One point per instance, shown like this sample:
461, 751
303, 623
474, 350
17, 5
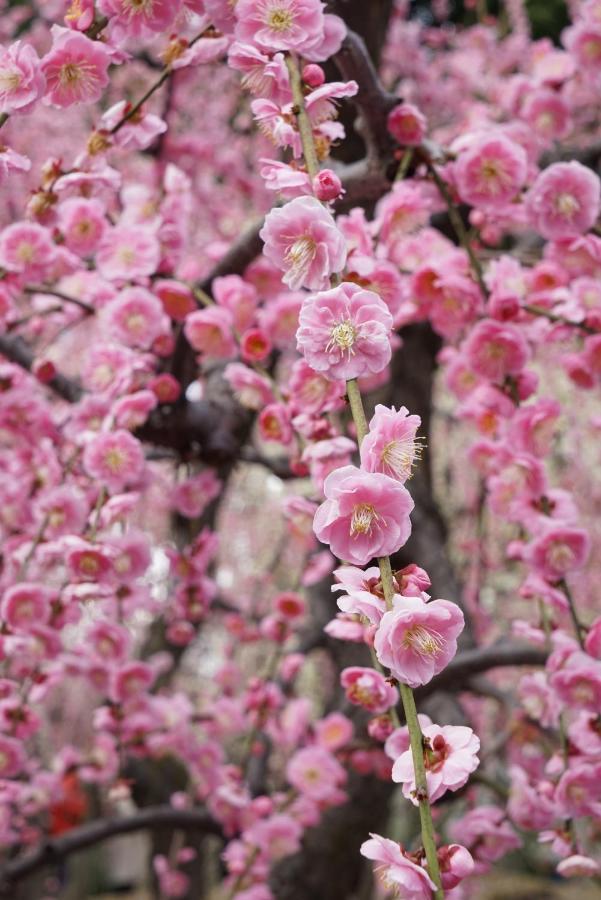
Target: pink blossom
490, 172
130, 680
450, 757
327, 186
80, 14
287, 180
391, 446
238, 297
325, 456
301, 239
578, 866
86, 561
262, 75
344, 333
12, 757
407, 124
487, 832
578, 684
416, 640
209, 331
133, 410
280, 24
177, 298
82, 223
10, 161
128, 252
548, 114
63, 509
456, 863
139, 131
27, 249
251, 389
140, 19
364, 515
192, 496
21, 79
75, 69
564, 201
315, 772
274, 424
334, 731
396, 870
26, 604
255, 345
559, 550
369, 689
495, 350
114, 459
313, 393
135, 317
578, 792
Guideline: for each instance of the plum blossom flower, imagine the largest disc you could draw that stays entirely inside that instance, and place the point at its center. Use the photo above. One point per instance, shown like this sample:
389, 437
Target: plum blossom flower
82, 223
368, 688
364, 515
139, 131
578, 866
21, 78
26, 604
135, 317
139, 19
450, 757
75, 69
280, 24
27, 249
496, 349
559, 550
191, 497
487, 832
455, 863
396, 870
251, 389
114, 459
10, 161
311, 392
344, 333
12, 756
564, 201
416, 640
128, 252
209, 331
315, 772
391, 445
490, 172
302, 239
407, 124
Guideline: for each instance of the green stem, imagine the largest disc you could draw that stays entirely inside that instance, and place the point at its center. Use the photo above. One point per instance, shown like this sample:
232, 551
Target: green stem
415, 732
578, 626
4, 117
304, 123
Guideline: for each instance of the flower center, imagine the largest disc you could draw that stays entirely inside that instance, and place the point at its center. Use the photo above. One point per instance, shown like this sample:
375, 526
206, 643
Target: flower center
344, 335
301, 253
70, 74
567, 204
9, 80
362, 519
114, 459
422, 641
279, 19
560, 556
25, 252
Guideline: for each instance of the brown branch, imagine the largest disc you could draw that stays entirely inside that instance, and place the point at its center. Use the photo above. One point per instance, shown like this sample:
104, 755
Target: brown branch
16, 350
482, 659
54, 850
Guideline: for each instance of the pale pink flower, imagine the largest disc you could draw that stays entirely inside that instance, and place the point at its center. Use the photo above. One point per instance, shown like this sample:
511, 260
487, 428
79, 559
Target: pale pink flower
86, 561
82, 223
578, 684
277, 836
584, 44
391, 445
135, 318
238, 297
10, 161
280, 24
128, 252
130, 680
327, 186
323, 457
496, 349
287, 180
133, 410
302, 239
369, 689
261, 75
548, 114
344, 333
64, 510
490, 172
12, 756
106, 369
487, 832
315, 772
191, 497
333, 731
140, 19
274, 424
578, 866
139, 131
80, 14
205, 50
450, 757
26, 604
564, 201
21, 78
578, 792
115, 459
364, 515
250, 389
311, 392
209, 331
416, 640
455, 863
407, 124
559, 550
396, 870
27, 249
75, 69
330, 42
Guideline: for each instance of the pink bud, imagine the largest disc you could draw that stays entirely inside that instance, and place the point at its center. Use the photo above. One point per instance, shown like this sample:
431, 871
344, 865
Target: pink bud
166, 388
327, 185
44, 370
313, 75
164, 345
255, 346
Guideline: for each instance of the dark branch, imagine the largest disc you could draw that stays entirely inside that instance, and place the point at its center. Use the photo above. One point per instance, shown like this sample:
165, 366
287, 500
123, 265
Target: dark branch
56, 849
16, 350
